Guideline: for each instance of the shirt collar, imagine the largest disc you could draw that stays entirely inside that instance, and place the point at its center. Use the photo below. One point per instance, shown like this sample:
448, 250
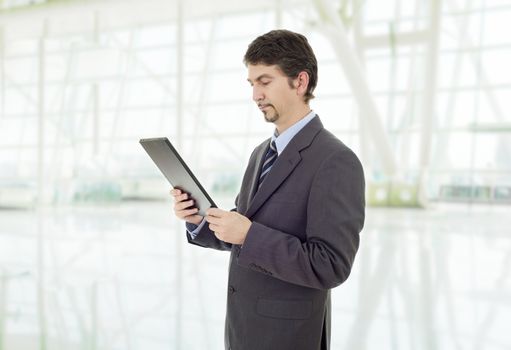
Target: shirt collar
282, 140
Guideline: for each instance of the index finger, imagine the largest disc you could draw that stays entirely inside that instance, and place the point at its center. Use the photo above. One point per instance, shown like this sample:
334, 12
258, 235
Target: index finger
175, 191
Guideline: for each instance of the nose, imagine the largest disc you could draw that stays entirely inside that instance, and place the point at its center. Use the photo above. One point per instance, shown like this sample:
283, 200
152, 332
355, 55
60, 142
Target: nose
257, 94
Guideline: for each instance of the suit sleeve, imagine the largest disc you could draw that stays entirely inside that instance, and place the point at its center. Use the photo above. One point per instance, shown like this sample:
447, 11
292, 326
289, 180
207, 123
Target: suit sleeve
335, 217
206, 238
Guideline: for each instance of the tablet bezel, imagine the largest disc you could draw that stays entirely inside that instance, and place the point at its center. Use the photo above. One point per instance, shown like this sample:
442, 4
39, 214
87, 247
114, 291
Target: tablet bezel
153, 147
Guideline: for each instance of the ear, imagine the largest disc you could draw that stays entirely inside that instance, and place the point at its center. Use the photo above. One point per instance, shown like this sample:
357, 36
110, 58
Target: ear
301, 83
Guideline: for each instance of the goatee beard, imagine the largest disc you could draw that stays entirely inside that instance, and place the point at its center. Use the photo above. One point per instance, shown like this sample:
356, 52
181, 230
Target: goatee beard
271, 118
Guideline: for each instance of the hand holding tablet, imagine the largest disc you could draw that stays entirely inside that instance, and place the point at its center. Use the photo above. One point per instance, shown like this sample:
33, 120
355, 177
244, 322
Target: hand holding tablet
184, 207
173, 167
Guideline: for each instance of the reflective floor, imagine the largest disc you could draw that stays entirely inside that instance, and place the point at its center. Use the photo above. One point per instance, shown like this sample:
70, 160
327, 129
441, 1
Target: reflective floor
122, 277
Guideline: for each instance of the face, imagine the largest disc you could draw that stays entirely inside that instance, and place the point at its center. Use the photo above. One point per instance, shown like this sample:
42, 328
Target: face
272, 92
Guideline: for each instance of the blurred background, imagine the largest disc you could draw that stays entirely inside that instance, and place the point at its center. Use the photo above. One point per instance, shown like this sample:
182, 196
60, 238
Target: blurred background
91, 256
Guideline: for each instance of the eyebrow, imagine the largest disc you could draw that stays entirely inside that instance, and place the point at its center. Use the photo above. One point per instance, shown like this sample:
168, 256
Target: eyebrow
262, 76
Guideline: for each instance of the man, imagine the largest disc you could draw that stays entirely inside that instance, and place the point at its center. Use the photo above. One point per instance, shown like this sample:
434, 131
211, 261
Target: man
295, 230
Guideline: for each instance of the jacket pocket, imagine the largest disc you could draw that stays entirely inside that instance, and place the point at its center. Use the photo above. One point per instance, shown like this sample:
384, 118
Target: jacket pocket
285, 309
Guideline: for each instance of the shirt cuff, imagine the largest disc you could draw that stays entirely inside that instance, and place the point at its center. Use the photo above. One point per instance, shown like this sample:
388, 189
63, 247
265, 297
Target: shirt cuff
193, 230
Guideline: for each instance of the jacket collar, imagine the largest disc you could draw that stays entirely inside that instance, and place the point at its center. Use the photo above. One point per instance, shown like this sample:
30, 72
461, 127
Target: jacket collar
283, 166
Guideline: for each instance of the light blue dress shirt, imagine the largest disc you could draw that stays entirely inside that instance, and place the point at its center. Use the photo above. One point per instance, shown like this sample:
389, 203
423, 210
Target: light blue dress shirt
281, 141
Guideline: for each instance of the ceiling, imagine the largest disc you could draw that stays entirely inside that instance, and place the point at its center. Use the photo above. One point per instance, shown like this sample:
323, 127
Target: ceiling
61, 17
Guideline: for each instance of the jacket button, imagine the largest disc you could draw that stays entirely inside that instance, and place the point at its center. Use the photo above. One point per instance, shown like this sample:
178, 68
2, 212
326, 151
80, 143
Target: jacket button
231, 289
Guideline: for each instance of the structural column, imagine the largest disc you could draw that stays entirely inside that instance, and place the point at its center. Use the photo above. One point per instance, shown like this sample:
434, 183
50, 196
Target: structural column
41, 189
179, 140
334, 29
429, 101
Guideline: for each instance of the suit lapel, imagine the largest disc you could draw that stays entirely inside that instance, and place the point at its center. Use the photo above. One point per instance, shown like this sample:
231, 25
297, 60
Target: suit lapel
283, 166
254, 181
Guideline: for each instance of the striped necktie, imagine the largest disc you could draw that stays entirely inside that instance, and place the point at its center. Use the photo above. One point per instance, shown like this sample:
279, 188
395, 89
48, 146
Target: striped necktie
269, 159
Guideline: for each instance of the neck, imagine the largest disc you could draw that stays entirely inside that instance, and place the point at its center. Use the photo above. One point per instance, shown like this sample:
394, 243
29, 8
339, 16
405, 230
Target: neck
284, 123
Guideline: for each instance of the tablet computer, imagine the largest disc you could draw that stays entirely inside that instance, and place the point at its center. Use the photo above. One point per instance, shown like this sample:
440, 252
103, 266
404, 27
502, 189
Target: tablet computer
173, 167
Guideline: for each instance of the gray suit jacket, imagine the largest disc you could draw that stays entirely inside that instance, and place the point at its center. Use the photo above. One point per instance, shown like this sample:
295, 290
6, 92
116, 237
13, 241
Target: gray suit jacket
306, 220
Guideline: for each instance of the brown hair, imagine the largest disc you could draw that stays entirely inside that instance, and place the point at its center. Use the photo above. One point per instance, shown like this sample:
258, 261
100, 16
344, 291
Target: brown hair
290, 51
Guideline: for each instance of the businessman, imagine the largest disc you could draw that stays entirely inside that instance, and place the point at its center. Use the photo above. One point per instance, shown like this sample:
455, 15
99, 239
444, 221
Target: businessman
294, 232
